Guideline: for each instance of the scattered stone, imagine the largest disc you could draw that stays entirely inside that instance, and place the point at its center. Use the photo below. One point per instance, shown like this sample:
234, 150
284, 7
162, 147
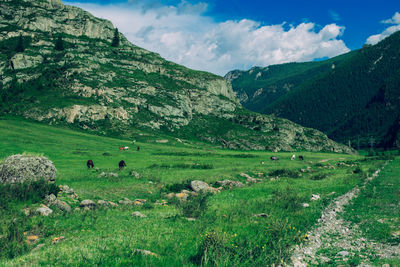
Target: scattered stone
108, 175
386, 265
57, 239
198, 186
263, 215
134, 174
162, 141
77, 209
182, 196
138, 214
125, 201
50, 199
190, 219
230, 184
146, 252
343, 253
62, 205
87, 203
139, 201
112, 204
170, 195
315, 197
102, 203
19, 168
44, 211
26, 211
305, 205
32, 239
66, 189
161, 203
250, 179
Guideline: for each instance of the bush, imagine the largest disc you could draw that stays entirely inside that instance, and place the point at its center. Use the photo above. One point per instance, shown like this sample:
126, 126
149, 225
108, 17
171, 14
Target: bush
319, 176
194, 206
178, 187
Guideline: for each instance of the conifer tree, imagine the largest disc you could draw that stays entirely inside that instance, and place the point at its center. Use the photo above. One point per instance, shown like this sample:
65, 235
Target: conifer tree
59, 46
20, 44
115, 40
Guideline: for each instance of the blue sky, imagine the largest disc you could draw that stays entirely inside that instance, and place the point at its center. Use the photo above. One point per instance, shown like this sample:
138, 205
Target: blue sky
218, 35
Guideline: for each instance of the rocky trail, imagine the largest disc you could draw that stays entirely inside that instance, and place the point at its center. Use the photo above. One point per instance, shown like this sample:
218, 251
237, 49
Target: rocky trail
334, 233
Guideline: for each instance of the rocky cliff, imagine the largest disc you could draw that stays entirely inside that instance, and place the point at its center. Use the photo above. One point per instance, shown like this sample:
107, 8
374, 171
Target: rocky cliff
90, 84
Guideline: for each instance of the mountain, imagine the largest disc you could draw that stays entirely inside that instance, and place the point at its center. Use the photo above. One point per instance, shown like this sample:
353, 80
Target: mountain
61, 65
353, 97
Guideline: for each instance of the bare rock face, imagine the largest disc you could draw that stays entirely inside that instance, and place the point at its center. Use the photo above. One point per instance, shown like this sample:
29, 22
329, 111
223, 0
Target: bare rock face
19, 168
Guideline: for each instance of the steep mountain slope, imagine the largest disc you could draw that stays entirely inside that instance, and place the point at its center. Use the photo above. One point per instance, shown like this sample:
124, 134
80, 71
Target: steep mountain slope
58, 65
261, 86
357, 99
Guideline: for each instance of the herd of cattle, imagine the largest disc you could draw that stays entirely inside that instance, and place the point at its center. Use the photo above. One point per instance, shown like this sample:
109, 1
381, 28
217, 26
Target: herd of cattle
122, 163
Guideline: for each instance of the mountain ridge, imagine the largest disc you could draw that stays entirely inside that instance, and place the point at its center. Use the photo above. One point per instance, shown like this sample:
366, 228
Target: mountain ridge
114, 90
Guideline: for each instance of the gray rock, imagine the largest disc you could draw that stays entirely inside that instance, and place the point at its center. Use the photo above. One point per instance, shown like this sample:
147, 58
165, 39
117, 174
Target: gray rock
108, 175
125, 201
87, 203
44, 211
19, 168
230, 184
138, 214
263, 215
315, 197
62, 205
66, 189
343, 253
305, 205
50, 199
134, 174
146, 252
200, 186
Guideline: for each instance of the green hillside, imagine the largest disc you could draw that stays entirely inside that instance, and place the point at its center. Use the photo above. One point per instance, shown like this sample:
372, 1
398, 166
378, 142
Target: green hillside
226, 231
61, 65
357, 99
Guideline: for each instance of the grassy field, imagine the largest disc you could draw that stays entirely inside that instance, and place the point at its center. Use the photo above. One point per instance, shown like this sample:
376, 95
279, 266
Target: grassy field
225, 234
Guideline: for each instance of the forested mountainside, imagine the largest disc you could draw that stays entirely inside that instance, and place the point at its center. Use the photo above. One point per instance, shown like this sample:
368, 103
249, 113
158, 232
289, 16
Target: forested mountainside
351, 97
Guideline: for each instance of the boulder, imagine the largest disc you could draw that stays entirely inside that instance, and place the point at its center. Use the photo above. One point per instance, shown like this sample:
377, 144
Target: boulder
50, 199
146, 252
62, 205
20, 168
87, 203
44, 211
198, 186
315, 197
230, 184
125, 201
138, 214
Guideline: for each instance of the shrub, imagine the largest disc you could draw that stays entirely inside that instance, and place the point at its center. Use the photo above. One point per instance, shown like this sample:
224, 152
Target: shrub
319, 176
178, 187
194, 206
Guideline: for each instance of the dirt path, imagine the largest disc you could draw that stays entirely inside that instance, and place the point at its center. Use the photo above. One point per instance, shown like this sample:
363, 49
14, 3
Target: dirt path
332, 232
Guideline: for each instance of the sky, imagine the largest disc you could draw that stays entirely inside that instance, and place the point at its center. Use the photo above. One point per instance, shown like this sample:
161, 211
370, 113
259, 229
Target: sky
220, 35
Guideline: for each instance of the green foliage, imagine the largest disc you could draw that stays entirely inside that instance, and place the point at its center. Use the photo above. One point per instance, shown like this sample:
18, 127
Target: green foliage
178, 187
194, 206
115, 40
12, 242
59, 44
28, 191
20, 44
319, 176
284, 173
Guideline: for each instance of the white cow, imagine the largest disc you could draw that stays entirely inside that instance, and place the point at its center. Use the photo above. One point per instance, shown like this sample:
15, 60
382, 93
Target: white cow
293, 157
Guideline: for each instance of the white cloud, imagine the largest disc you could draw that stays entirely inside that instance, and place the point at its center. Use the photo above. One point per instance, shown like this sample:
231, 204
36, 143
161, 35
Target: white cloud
185, 35
374, 39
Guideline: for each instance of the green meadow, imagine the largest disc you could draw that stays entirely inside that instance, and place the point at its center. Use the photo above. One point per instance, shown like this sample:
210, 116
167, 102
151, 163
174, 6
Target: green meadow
225, 232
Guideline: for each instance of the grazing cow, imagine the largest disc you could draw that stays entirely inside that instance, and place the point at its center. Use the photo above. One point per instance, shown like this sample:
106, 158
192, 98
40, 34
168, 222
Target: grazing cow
90, 164
121, 148
138, 148
121, 164
273, 158
293, 157
301, 157
126, 147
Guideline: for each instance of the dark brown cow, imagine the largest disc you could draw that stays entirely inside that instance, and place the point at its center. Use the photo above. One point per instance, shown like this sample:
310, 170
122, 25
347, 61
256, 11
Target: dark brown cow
90, 164
138, 148
121, 164
301, 157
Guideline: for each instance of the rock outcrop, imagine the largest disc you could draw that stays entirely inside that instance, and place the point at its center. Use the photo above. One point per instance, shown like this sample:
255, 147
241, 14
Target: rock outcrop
116, 89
